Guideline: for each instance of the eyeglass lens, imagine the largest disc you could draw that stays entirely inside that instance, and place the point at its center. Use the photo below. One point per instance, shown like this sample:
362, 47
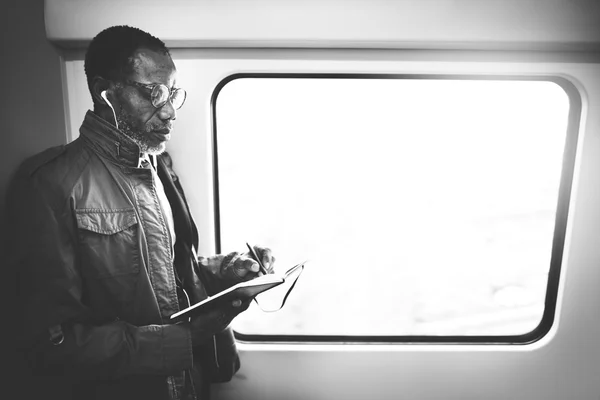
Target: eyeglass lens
161, 93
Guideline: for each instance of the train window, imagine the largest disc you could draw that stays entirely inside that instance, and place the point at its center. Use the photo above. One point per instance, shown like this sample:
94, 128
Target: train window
429, 208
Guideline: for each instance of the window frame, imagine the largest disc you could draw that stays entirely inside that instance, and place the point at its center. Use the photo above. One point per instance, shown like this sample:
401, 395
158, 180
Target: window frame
560, 227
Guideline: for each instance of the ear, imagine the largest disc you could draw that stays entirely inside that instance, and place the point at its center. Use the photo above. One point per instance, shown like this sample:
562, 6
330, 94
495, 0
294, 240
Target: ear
100, 85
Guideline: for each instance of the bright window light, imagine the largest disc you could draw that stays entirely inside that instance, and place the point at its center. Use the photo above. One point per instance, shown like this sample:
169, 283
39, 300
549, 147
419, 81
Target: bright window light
423, 206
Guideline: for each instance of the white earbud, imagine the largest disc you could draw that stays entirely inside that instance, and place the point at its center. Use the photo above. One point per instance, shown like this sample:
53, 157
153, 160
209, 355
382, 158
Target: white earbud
103, 95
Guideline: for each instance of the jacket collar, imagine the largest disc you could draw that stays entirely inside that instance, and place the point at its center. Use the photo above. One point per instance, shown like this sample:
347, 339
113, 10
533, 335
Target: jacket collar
109, 142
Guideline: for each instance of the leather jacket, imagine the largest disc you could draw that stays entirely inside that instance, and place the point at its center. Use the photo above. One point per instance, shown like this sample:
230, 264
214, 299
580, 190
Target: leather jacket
99, 273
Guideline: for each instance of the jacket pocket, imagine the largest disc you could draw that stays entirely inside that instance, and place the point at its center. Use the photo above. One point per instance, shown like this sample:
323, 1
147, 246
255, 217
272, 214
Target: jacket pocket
108, 242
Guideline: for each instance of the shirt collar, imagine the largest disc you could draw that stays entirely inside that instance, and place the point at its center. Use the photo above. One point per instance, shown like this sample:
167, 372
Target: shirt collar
150, 159
110, 142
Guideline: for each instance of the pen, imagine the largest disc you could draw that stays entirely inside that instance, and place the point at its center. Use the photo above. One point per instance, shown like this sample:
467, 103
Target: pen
257, 259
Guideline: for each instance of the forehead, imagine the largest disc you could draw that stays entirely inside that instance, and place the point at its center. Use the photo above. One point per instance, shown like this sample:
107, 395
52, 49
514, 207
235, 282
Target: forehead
153, 67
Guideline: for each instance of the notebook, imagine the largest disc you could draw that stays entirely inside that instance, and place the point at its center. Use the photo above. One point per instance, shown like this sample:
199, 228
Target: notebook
244, 291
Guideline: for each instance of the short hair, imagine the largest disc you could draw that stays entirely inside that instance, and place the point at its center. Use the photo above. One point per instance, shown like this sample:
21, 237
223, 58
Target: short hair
110, 52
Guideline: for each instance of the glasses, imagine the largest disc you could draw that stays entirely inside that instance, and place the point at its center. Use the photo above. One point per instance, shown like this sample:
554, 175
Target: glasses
160, 94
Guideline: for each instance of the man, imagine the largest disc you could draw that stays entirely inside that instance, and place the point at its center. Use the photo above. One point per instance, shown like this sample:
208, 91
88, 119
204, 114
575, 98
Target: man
104, 245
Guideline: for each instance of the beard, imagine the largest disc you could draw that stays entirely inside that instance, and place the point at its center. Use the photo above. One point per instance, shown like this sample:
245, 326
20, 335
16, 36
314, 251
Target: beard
142, 135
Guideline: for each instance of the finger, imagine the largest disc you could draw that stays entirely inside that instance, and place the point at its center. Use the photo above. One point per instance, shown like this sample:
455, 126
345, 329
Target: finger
242, 305
243, 265
228, 266
270, 269
265, 255
245, 305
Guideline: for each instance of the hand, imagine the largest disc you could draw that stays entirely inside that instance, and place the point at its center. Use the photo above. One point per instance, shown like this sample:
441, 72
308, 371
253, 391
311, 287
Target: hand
204, 326
237, 267
266, 257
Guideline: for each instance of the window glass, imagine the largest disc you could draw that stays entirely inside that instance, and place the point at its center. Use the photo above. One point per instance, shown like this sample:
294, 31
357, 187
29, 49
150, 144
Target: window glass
425, 207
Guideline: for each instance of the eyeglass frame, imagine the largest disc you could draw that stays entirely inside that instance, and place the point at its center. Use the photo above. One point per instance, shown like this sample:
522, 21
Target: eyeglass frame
150, 87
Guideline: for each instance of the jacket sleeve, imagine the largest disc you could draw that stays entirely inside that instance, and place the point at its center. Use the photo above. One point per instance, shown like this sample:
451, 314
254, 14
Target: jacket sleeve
43, 256
219, 358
